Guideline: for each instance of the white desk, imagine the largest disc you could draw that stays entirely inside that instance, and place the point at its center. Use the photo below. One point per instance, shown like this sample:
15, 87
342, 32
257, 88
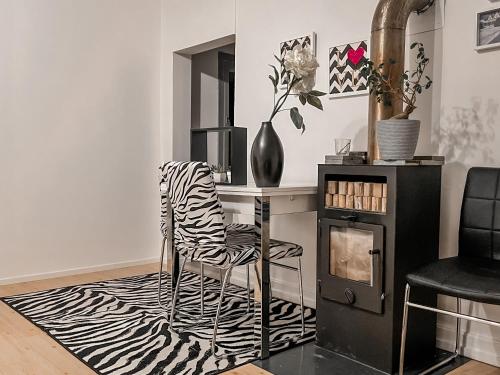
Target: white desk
286, 199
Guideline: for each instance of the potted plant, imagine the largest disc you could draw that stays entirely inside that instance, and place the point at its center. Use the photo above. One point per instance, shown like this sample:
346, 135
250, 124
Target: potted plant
299, 66
397, 137
219, 173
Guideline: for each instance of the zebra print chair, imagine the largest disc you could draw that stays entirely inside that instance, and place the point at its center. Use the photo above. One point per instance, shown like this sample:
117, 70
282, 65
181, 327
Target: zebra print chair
165, 222
199, 232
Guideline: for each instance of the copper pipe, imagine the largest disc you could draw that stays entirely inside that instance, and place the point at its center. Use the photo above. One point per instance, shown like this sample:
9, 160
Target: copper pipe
388, 42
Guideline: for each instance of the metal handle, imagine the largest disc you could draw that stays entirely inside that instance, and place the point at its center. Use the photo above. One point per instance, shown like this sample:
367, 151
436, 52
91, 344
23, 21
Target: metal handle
349, 217
375, 253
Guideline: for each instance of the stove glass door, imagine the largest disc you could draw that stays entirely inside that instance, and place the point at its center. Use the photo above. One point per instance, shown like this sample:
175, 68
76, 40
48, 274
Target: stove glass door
350, 256
351, 263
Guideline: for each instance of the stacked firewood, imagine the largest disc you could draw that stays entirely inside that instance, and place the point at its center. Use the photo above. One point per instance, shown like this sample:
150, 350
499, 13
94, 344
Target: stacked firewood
361, 196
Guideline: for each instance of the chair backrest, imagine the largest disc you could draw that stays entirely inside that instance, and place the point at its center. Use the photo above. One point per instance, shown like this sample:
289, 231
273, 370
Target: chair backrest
479, 234
198, 214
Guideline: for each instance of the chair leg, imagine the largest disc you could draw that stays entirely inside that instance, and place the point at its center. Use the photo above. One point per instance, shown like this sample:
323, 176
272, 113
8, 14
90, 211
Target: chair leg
403, 337
161, 269
459, 333
457, 346
301, 295
403, 330
248, 288
217, 315
202, 290
174, 298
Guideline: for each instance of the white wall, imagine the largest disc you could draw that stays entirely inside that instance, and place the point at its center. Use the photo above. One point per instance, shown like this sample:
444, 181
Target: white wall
79, 134
459, 115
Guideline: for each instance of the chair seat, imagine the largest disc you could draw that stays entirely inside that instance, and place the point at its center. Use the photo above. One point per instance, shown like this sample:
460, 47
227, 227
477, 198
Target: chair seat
238, 250
277, 249
475, 279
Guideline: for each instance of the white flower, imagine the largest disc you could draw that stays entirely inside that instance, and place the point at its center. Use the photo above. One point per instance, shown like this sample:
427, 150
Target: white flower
302, 64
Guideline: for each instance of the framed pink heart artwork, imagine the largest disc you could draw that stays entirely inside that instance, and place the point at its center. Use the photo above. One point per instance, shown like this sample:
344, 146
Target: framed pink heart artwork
346, 62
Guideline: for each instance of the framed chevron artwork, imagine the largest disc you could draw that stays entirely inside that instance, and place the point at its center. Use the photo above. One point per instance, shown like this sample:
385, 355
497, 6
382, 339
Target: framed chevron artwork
346, 62
305, 40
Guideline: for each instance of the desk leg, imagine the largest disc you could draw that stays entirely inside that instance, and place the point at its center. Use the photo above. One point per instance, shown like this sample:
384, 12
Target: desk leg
262, 216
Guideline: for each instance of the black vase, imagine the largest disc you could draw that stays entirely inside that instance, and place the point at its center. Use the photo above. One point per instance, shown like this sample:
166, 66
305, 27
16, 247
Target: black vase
267, 157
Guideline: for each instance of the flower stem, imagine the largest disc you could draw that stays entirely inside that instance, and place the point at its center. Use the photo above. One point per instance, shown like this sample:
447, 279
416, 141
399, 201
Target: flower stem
281, 101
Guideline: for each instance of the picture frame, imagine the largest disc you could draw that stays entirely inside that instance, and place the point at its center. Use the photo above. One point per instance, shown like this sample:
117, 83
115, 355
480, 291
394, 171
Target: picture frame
487, 25
344, 67
289, 44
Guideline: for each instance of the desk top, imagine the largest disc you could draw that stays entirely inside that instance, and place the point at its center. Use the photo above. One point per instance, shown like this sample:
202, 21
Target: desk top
254, 191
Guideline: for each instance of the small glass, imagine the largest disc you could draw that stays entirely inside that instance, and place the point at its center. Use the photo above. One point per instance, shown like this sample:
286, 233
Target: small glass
342, 146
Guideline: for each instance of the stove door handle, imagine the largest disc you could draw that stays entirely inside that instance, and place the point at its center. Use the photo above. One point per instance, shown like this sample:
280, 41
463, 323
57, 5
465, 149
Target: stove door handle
376, 267
349, 217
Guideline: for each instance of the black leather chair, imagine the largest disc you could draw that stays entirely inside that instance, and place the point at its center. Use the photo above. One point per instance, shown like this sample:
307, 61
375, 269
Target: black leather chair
475, 273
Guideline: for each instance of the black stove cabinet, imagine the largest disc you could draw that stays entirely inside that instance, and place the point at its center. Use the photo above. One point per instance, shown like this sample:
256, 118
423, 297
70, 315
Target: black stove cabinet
363, 320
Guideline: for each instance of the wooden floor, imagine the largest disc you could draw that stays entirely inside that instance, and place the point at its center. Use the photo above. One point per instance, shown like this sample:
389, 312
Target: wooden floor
25, 349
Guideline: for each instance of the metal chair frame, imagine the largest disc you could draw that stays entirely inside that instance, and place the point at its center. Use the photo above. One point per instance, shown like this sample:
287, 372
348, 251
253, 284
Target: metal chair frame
458, 315
297, 269
202, 286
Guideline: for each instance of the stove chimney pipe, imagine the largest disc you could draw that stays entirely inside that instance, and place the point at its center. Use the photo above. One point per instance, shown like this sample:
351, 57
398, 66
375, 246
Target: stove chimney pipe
388, 42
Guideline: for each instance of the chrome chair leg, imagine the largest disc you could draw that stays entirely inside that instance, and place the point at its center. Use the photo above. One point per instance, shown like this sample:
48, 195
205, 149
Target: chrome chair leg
202, 291
459, 333
457, 346
403, 330
161, 270
217, 315
174, 297
248, 288
301, 295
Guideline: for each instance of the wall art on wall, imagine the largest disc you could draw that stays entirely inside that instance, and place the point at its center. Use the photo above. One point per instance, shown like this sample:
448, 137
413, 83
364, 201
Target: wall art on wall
488, 29
288, 45
346, 62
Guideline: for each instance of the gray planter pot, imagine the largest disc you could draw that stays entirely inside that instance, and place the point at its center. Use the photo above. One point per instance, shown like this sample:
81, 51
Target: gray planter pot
397, 139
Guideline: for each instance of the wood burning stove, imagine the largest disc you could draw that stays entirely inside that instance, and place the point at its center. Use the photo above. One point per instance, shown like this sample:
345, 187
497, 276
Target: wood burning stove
375, 224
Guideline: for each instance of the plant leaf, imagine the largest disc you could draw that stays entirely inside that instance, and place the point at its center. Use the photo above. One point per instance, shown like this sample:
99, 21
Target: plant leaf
303, 99
276, 74
314, 101
297, 118
413, 45
317, 93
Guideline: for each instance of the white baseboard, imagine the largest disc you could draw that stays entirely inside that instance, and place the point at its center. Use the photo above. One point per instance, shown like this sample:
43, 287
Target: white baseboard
76, 271
483, 348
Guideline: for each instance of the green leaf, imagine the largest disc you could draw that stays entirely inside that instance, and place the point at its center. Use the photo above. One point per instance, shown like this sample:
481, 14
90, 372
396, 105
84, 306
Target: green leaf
317, 93
303, 99
276, 74
314, 101
275, 83
413, 45
296, 117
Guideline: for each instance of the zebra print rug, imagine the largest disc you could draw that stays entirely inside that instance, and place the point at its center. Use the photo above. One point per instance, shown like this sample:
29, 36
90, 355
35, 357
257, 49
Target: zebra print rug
117, 327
